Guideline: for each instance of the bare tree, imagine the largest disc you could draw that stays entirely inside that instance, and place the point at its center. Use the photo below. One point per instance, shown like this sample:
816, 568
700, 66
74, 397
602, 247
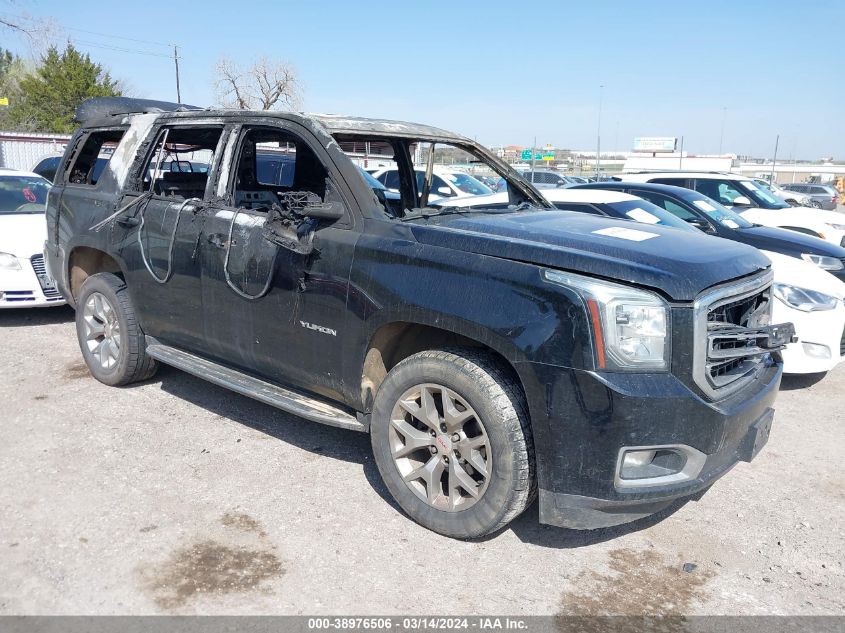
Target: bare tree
264, 85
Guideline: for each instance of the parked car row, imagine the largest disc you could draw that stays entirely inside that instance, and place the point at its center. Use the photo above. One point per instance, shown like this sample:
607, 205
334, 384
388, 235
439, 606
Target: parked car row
809, 273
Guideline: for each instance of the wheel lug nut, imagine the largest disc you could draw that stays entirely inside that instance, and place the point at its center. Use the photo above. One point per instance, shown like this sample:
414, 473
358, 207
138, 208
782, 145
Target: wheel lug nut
432, 450
432, 433
456, 437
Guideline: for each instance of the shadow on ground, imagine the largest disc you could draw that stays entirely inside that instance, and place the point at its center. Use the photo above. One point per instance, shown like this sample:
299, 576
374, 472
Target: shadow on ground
528, 529
28, 317
354, 447
800, 381
328, 441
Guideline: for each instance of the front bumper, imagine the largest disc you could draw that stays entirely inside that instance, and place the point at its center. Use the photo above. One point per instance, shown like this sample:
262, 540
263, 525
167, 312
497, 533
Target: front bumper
22, 289
593, 415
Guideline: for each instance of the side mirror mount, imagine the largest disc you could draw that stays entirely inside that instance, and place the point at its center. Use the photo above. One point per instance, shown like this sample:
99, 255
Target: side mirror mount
741, 201
331, 210
702, 225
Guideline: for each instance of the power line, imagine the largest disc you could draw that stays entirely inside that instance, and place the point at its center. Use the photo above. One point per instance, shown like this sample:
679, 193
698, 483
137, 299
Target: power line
119, 37
34, 21
134, 51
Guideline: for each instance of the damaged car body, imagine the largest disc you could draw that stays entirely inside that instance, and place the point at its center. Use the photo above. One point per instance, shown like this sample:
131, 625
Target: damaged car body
491, 353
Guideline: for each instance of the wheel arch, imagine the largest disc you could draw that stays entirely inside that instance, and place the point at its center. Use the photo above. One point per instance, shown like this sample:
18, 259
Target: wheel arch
395, 340
84, 261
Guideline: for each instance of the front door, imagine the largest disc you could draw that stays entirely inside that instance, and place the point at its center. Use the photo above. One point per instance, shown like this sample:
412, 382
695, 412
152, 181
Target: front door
274, 279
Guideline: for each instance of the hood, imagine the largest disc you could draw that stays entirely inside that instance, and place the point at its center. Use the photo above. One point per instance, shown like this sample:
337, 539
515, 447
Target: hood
797, 272
802, 215
792, 243
22, 234
680, 264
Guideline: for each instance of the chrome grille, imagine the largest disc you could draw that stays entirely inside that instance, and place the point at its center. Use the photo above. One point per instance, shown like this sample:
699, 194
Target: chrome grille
47, 288
726, 356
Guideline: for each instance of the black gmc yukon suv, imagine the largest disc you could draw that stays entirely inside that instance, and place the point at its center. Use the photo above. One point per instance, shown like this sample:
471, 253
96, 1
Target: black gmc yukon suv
490, 353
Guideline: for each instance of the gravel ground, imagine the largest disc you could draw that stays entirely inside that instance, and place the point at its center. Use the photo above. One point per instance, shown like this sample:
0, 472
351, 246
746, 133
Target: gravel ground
176, 496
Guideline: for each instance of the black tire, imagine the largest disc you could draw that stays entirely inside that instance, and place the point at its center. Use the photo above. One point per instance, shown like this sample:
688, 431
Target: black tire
132, 364
498, 400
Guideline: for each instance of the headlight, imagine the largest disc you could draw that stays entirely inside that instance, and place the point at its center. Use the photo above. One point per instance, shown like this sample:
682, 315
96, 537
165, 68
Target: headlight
804, 299
630, 326
823, 261
9, 262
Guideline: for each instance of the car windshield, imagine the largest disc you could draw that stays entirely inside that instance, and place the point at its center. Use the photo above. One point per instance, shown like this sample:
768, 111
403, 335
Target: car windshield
762, 197
23, 194
467, 183
647, 213
718, 213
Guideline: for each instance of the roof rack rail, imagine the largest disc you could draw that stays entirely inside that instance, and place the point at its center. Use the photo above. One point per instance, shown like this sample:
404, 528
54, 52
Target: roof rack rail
103, 107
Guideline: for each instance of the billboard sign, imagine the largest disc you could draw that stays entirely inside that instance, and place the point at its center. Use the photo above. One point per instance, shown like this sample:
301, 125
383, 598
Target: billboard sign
655, 143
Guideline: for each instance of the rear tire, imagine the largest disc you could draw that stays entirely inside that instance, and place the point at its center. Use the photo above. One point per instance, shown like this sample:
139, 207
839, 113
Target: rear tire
112, 342
463, 466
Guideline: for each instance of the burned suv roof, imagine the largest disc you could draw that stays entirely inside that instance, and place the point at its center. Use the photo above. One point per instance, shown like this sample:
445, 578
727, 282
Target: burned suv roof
101, 110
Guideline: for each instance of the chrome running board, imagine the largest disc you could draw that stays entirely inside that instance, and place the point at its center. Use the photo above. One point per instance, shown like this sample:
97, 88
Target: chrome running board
285, 399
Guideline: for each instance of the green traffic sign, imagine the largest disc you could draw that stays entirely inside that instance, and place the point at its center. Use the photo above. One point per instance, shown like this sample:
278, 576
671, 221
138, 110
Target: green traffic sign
526, 155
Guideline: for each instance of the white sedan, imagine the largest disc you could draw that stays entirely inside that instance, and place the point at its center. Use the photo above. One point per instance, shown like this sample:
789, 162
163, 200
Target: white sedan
445, 183
814, 301
23, 230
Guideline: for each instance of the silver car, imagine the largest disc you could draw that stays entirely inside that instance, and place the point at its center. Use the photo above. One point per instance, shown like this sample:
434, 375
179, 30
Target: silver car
821, 196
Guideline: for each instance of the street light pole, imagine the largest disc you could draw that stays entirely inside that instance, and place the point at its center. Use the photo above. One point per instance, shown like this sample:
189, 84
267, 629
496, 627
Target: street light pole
176, 61
598, 135
774, 159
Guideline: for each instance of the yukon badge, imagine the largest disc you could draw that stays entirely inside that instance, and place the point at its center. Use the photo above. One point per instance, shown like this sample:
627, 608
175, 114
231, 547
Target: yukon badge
318, 328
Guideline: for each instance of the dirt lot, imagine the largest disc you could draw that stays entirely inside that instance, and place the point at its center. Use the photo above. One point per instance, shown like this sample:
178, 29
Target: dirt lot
176, 496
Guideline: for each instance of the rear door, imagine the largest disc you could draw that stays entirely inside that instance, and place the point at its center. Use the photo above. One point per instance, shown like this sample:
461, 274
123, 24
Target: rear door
160, 243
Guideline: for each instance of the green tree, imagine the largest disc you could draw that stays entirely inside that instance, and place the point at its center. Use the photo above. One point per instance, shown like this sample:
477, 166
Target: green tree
49, 96
12, 70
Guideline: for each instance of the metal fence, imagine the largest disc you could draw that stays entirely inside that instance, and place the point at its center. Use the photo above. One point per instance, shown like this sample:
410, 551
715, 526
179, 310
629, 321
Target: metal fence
24, 150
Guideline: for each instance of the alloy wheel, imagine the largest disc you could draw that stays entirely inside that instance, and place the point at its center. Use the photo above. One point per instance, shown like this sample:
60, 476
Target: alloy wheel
440, 447
102, 330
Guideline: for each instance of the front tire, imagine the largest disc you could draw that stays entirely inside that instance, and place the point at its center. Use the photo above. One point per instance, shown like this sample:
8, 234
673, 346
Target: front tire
111, 340
452, 441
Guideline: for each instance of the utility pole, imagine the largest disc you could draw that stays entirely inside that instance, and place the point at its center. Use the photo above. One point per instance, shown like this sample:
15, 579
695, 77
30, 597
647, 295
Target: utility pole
774, 158
176, 62
681, 157
598, 135
722, 132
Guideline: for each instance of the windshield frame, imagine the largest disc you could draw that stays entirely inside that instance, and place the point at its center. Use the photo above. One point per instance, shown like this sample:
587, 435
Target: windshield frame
753, 193
693, 196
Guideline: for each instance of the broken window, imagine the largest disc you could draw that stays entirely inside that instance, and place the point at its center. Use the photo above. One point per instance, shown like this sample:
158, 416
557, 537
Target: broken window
178, 163
88, 161
276, 168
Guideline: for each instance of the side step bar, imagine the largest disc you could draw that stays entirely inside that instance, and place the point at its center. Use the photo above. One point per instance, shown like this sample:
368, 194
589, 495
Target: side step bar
268, 393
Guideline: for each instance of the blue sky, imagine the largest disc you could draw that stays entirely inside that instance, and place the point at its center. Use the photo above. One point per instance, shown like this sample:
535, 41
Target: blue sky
504, 72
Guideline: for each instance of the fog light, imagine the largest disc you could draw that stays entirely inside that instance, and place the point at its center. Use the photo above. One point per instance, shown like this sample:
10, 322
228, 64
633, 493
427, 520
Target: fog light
643, 466
652, 463
814, 350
